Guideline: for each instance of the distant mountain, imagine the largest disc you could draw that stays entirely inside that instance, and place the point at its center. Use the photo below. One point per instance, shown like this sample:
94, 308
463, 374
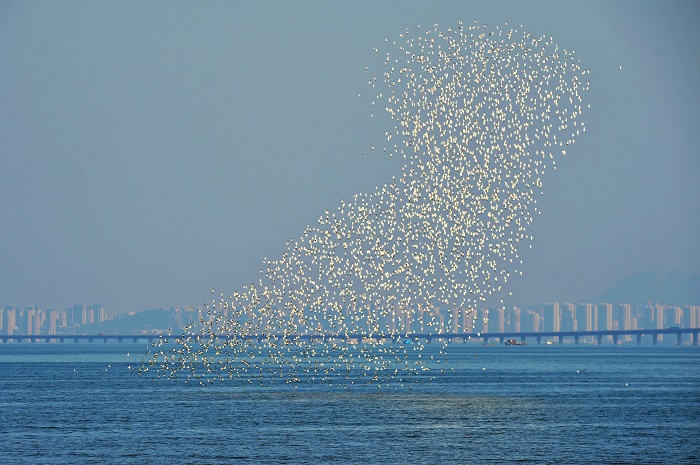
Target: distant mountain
655, 286
147, 320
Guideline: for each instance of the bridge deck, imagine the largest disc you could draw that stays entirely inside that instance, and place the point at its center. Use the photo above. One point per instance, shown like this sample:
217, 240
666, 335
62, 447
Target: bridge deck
613, 335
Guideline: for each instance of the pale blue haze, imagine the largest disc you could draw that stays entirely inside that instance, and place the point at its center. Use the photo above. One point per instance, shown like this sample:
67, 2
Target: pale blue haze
152, 151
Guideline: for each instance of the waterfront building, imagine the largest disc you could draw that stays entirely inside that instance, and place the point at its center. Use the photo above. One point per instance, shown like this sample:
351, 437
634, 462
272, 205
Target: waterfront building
500, 319
654, 315
10, 320
673, 316
584, 317
532, 321
623, 315
29, 316
568, 317
53, 320
513, 320
552, 316
605, 318
693, 316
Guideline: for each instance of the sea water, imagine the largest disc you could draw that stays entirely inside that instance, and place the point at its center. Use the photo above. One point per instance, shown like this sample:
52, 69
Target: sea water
79, 404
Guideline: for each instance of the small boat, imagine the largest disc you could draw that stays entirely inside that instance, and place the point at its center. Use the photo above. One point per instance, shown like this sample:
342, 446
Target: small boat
513, 342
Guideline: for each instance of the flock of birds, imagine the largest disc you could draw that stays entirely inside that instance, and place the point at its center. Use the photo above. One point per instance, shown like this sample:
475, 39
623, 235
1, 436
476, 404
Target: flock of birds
479, 114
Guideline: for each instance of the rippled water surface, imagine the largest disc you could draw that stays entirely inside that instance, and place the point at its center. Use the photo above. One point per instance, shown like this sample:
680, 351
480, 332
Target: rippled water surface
79, 403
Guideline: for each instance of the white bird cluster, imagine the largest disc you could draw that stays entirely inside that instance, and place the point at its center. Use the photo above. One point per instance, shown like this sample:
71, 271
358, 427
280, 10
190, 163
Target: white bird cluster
479, 114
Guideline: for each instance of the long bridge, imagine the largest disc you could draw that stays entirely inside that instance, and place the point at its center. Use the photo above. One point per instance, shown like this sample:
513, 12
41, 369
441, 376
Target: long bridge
486, 338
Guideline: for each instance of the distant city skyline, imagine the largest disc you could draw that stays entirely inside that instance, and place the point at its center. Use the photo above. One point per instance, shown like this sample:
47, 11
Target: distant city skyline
547, 319
653, 287
142, 165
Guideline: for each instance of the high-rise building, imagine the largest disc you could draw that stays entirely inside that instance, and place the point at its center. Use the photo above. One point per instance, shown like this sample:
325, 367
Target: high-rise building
655, 318
585, 320
584, 317
453, 324
29, 315
693, 320
604, 312
673, 316
552, 316
531, 321
622, 313
421, 319
499, 317
53, 320
38, 322
513, 320
437, 320
568, 317
8, 320
11, 322
461, 320
483, 321
98, 313
605, 317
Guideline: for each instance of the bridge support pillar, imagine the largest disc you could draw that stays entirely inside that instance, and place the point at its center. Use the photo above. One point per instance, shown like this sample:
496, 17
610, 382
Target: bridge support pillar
561, 339
655, 338
679, 339
639, 338
616, 339
522, 339
695, 338
502, 340
576, 339
75, 340
600, 339
539, 340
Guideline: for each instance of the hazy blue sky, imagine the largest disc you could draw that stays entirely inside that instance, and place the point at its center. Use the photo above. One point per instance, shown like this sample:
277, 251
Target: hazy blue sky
152, 151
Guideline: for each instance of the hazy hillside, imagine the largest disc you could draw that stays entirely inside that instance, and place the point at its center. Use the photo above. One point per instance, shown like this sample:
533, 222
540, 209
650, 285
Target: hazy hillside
655, 286
147, 320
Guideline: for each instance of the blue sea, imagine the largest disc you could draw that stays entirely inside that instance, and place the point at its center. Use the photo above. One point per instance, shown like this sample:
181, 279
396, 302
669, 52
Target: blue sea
80, 404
